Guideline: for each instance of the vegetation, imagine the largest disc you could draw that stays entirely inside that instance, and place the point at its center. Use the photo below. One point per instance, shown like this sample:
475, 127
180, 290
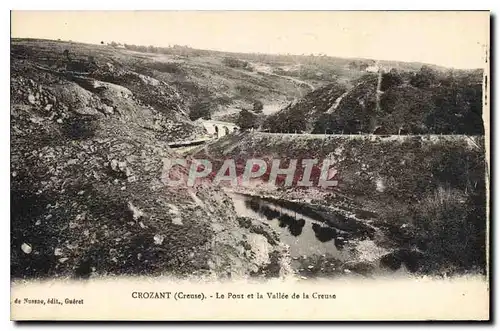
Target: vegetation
258, 106
201, 110
422, 102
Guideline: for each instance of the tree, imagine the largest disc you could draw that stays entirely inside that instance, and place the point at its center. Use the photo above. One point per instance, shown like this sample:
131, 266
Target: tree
235, 63
424, 78
391, 79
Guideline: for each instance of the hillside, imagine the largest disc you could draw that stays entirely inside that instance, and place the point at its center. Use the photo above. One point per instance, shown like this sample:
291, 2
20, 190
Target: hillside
427, 101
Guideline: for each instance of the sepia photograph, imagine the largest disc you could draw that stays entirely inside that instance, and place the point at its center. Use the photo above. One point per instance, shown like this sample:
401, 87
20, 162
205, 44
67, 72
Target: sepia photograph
250, 165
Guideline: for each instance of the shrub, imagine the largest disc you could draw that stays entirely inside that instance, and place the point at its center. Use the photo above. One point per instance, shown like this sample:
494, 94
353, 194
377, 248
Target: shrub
258, 106
200, 110
247, 120
80, 127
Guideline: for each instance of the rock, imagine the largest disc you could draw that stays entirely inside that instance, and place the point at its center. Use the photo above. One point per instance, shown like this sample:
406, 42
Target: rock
120, 167
360, 267
48, 107
26, 248
58, 252
114, 165
63, 259
108, 109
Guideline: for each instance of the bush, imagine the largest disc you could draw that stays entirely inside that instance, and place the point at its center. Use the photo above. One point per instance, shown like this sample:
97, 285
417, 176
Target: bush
80, 127
200, 110
424, 78
391, 79
247, 120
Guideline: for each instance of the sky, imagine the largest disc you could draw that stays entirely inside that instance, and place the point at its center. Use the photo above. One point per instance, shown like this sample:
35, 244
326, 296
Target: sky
451, 39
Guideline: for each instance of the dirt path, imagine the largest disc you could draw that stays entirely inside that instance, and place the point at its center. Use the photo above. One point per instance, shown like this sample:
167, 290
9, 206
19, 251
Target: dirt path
295, 80
292, 79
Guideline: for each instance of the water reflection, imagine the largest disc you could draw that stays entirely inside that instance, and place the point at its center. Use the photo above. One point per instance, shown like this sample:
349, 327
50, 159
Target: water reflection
295, 223
294, 226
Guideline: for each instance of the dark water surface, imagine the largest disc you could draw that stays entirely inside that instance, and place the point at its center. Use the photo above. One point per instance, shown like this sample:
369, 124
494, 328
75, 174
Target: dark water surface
305, 235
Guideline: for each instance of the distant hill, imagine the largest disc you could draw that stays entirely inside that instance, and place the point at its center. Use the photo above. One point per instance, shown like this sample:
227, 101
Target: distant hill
398, 101
89, 140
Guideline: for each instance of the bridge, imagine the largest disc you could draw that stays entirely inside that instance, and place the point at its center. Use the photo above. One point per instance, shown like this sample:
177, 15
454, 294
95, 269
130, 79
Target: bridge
218, 128
215, 130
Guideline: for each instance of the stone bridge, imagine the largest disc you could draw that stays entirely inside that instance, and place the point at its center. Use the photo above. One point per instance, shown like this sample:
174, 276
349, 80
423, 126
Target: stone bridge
219, 128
